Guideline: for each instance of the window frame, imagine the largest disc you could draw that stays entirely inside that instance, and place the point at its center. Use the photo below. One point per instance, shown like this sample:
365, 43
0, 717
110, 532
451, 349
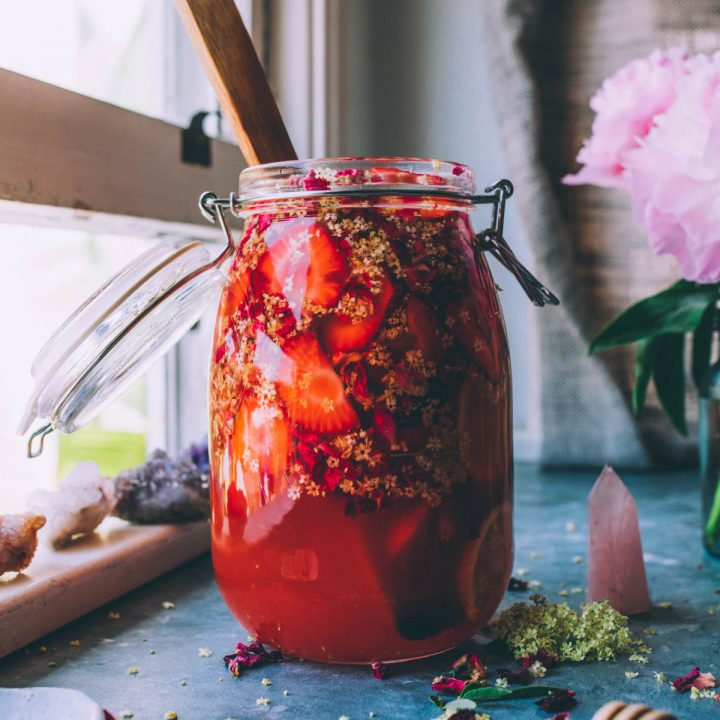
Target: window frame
72, 161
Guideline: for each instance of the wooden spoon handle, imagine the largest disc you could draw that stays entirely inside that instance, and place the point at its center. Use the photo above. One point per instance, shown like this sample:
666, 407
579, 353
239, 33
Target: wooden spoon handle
230, 61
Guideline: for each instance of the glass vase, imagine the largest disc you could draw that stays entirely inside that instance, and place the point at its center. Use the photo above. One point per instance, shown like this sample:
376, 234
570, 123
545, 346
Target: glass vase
709, 446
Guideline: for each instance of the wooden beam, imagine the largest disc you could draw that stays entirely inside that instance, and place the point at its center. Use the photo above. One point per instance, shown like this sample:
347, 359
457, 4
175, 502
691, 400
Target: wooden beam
62, 585
226, 51
75, 160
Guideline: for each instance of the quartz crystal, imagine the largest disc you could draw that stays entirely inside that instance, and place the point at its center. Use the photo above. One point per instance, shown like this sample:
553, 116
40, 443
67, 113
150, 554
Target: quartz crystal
77, 507
616, 569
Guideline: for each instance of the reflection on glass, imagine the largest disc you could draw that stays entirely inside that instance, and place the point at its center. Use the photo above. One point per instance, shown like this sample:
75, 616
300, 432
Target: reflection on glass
44, 275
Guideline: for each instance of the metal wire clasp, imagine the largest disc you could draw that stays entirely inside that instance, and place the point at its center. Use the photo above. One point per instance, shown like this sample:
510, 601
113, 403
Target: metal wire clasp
492, 241
213, 210
36, 441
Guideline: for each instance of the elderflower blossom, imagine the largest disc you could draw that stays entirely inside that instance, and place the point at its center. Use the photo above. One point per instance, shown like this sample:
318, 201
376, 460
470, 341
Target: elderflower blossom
706, 694
598, 633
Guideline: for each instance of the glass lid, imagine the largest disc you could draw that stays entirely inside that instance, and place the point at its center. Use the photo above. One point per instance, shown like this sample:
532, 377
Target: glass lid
118, 332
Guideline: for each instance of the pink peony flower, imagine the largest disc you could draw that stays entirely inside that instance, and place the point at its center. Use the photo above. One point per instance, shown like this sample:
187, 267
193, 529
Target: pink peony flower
626, 108
656, 135
674, 176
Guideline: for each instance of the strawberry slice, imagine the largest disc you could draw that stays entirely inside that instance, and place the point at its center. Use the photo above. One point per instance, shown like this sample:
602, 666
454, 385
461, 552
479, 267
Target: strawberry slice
341, 334
478, 339
235, 294
303, 263
424, 327
315, 396
261, 444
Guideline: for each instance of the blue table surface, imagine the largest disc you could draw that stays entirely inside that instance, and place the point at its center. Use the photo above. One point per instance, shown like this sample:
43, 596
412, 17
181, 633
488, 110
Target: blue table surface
163, 644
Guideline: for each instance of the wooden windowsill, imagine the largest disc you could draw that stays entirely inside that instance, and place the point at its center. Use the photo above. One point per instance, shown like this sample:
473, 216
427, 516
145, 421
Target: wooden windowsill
60, 586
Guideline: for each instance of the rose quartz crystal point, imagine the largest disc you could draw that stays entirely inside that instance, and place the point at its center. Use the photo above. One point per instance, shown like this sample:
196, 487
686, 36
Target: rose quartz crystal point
616, 569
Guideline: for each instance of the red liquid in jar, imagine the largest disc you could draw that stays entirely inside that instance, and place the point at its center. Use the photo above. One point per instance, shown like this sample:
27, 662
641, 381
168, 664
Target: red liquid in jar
360, 431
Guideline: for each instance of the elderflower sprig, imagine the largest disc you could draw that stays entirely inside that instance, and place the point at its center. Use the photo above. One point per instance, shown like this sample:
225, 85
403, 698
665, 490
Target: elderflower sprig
598, 633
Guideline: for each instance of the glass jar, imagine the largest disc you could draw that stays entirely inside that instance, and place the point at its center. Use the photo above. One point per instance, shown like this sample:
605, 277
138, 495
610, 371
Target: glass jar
360, 400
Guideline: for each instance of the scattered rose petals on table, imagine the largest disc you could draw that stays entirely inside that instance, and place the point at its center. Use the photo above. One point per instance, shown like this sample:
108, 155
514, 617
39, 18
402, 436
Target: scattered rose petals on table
249, 656
694, 679
519, 677
559, 701
543, 657
449, 685
469, 666
378, 669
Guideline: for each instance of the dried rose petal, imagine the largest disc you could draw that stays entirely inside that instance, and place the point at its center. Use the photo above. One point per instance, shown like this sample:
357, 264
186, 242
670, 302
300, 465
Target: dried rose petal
450, 685
705, 681
695, 678
353, 175
517, 585
542, 656
378, 669
520, 677
469, 666
248, 656
685, 682
558, 702
312, 182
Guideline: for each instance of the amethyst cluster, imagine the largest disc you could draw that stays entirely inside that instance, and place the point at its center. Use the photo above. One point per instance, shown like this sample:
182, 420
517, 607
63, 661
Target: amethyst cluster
163, 490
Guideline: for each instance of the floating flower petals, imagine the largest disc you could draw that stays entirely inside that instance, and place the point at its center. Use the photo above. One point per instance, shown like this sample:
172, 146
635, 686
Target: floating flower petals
561, 716
249, 656
558, 702
378, 669
449, 685
694, 679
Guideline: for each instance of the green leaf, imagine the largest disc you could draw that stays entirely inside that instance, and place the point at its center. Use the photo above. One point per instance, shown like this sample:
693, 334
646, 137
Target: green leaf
669, 377
643, 370
702, 345
437, 701
678, 309
492, 694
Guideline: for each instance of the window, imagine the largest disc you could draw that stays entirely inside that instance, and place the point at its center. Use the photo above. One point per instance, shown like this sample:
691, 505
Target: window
134, 55
45, 274
94, 99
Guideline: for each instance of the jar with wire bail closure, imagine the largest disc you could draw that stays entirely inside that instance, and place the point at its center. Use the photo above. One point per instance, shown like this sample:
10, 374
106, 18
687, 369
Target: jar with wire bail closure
360, 410
360, 425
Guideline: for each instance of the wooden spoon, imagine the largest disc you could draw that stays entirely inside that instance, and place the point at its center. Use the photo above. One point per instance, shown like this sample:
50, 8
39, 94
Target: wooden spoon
230, 61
